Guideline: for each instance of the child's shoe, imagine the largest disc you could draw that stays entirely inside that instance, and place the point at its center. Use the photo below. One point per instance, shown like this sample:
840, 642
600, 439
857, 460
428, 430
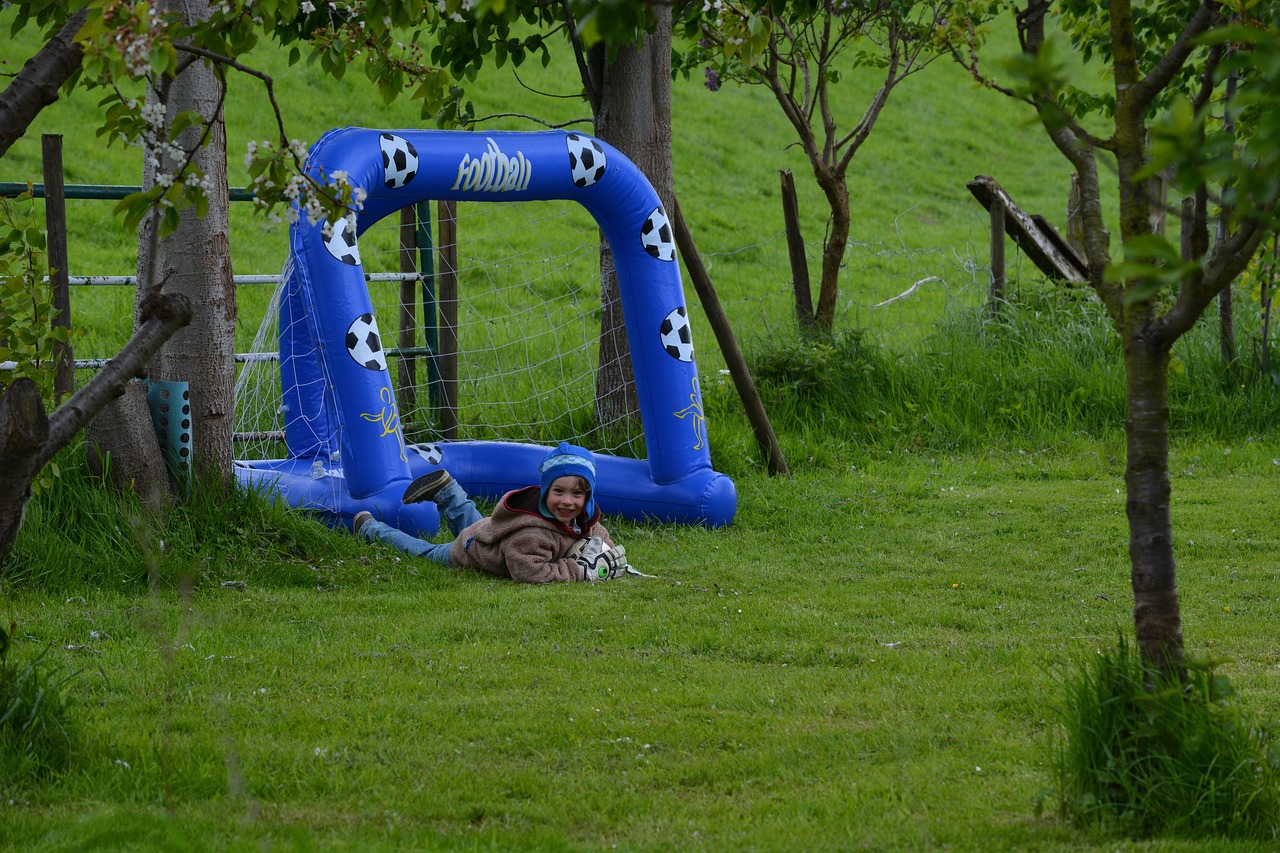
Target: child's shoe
427, 486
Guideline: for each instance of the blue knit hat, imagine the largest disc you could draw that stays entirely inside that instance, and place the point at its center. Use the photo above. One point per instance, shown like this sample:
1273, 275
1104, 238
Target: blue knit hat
568, 460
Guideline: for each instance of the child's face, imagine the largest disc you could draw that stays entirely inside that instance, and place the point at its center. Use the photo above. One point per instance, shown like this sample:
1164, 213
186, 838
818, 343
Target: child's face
566, 498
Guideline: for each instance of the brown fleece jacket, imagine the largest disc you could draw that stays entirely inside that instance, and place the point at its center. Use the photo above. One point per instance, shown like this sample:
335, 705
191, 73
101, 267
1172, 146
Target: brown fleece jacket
521, 543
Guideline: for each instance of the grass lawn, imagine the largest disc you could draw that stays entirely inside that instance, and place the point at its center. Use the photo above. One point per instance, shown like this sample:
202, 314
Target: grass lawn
865, 659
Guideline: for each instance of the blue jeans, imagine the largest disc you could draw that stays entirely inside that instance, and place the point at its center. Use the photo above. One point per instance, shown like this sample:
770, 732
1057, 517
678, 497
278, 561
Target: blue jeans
458, 512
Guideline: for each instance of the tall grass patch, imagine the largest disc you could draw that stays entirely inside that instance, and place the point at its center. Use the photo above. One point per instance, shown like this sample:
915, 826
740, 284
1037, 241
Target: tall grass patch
37, 736
81, 532
1047, 369
1148, 754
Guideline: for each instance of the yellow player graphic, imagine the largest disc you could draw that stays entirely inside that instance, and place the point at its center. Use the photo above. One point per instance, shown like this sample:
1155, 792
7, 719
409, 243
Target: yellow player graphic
694, 411
389, 419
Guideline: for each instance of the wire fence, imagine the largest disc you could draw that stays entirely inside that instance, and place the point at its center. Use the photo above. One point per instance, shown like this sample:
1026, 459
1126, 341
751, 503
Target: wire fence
529, 298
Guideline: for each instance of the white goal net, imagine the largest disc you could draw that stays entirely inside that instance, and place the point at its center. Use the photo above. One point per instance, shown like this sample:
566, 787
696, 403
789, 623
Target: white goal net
528, 330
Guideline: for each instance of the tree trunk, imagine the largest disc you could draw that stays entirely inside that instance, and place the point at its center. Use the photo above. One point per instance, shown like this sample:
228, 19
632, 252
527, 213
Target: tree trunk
836, 190
634, 117
1156, 612
134, 463
1148, 334
1157, 616
36, 85
24, 428
195, 261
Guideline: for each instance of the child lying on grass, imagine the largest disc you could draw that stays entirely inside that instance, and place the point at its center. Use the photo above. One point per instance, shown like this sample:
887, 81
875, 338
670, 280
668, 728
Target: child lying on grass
537, 534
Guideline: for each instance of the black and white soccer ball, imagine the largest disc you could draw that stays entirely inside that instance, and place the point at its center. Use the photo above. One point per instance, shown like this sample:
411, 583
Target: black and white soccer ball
586, 159
655, 236
364, 344
399, 160
431, 453
341, 241
676, 337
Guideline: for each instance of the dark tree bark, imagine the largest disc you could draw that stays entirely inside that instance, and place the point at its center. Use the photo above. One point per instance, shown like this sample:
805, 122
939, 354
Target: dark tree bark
24, 429
36, 85
121, 447
1156, 613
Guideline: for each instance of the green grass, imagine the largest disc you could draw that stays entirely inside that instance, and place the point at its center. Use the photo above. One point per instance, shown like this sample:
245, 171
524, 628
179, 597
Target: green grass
864, 659
1046, 374
38, 737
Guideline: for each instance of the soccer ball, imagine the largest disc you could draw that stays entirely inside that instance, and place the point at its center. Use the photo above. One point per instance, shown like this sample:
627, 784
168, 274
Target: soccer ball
430, 452
399, 160
655, 236
341, 241
363, 343
586, 159
675, 335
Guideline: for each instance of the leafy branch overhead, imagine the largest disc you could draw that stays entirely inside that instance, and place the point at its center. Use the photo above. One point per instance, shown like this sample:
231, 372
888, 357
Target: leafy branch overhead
1199, 134
129, 49
26, 303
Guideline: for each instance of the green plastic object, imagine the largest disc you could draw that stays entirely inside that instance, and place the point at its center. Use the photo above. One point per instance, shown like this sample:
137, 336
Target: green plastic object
170, 404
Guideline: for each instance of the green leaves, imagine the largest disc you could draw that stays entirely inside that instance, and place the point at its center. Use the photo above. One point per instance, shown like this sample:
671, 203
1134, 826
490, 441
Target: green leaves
1037, 72
1151, 264
27, 336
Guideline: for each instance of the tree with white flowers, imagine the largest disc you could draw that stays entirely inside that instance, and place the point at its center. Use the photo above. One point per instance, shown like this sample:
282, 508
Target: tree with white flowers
180, 53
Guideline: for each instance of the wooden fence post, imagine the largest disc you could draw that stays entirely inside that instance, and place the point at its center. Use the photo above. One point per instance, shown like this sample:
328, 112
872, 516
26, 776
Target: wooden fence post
430, 302
407, 366
795, 249
737, 365
55, 218
1075, 220
996, 294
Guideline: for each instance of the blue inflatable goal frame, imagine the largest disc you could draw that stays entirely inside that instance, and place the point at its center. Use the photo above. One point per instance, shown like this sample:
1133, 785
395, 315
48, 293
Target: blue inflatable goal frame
346, 449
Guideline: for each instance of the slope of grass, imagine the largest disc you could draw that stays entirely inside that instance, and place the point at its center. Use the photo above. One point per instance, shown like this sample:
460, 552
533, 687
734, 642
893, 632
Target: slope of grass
913, 216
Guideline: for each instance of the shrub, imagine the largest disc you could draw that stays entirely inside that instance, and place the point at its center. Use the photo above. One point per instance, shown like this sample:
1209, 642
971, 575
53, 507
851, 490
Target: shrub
26, 300
1147, 754
840, 375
